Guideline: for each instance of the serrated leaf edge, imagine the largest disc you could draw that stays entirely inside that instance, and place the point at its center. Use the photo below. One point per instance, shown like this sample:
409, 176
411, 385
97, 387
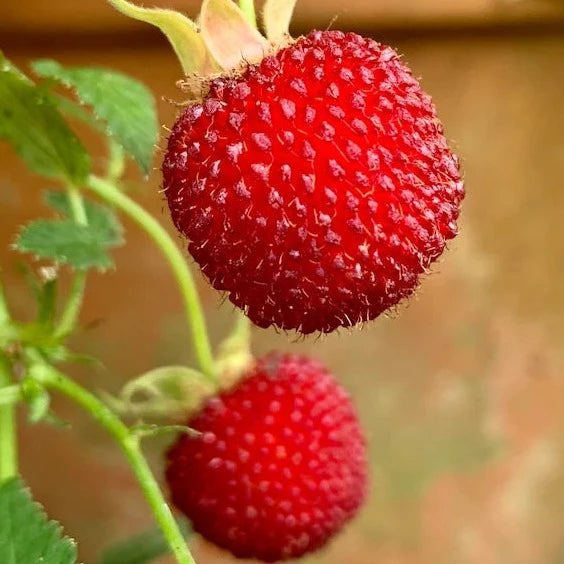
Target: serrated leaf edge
25, 490
15, 246
51, 69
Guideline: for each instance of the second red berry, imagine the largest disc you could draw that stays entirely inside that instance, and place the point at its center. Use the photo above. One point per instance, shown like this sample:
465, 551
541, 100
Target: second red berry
280, 465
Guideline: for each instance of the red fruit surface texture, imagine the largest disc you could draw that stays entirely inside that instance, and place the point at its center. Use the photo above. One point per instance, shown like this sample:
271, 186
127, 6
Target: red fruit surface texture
280, 466
316, 187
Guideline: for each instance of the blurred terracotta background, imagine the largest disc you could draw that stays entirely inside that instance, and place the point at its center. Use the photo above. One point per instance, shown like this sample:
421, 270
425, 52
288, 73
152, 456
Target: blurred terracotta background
461, 391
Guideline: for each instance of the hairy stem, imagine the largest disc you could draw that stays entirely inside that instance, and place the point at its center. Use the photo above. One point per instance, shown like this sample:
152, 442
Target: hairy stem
8, 439
129, 443
71, 311
10, 395
77, 205
195, 317
116, 162
69, 317
4, 313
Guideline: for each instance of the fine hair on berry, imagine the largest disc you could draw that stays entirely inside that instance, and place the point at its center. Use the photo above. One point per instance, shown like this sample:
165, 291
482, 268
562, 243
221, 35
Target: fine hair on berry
317, 185
279, 466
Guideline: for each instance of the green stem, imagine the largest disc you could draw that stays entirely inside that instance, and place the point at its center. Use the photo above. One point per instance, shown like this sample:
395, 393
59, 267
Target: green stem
77, 205
248, 8
129, 443
10, 395
108, 192
8, 439
4, 313
69, 317
116, 162
71, 311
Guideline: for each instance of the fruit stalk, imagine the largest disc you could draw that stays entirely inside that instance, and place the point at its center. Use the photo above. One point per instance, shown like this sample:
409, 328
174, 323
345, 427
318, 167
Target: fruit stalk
69, 317
8, 439
108, 192
129, 443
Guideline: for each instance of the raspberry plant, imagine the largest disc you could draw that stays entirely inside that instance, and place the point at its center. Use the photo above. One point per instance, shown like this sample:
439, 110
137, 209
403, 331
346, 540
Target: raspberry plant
315, 186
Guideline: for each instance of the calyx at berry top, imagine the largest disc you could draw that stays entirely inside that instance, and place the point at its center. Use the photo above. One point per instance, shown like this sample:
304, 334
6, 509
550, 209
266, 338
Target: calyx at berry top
223, 39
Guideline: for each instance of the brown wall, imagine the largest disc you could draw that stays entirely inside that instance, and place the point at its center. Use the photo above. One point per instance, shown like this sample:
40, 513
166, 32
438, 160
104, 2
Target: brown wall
461, 391
96, 16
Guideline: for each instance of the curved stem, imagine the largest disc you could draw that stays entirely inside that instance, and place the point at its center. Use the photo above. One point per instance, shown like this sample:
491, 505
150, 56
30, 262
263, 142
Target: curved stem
108, 192
129, 443
69, 317
8, 449
116, 162
10, 395
77, 205
71, 311
4, 313
248, 8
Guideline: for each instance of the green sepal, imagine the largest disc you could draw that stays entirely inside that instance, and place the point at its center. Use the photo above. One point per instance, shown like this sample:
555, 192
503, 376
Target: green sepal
234, 357
168, 392
148, 430
276, 18
181, 32
229, 36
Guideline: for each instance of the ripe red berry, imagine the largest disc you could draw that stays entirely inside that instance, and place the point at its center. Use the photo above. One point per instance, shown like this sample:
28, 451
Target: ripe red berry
280, 466
315, 187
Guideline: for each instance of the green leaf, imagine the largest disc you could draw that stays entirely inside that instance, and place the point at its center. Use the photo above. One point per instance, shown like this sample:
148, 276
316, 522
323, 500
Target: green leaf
141, 549
26, 535
31, 123
75, 110
124, 104
66, 242
100, 218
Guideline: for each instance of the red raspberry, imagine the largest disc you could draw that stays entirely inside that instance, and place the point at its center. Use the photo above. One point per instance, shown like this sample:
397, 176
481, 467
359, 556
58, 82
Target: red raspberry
316, 187
280, 466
